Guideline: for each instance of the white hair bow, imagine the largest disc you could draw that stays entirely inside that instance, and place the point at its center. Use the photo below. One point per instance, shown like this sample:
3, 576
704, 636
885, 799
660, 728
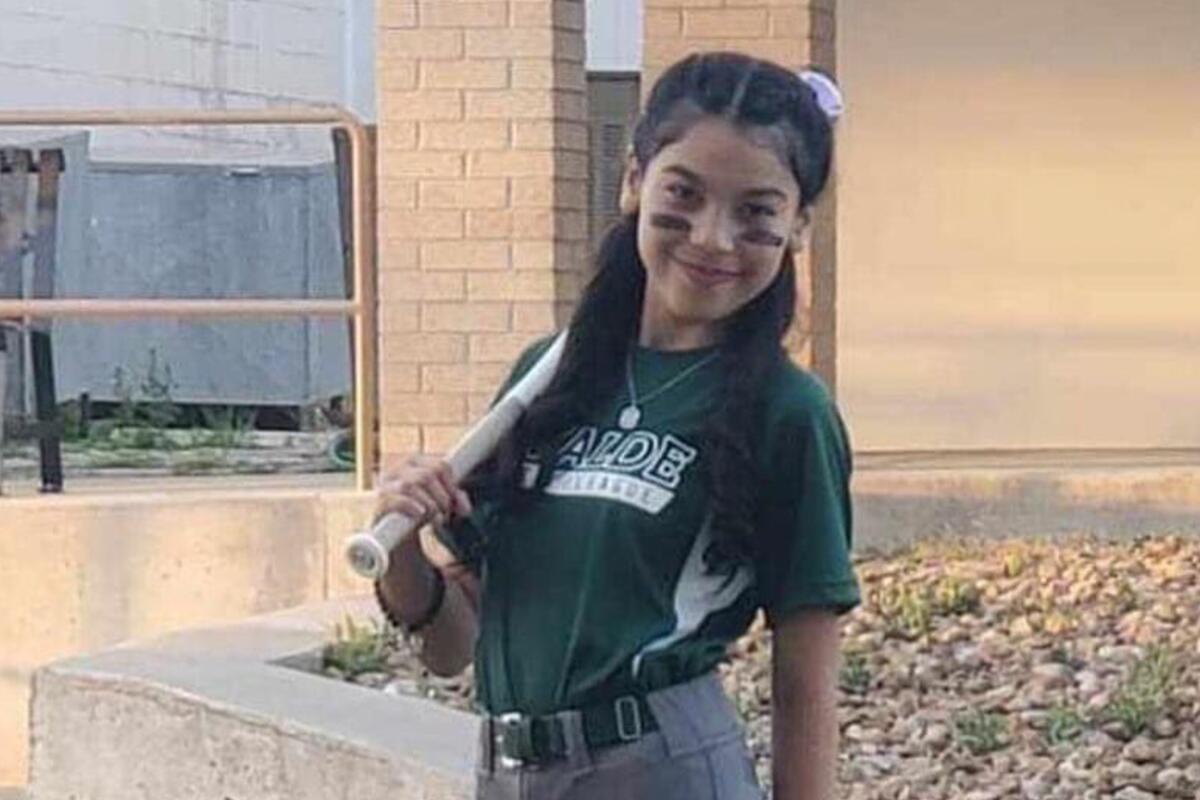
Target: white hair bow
829, 96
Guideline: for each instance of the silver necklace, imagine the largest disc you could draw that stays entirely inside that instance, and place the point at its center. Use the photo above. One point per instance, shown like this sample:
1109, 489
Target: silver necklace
631, 414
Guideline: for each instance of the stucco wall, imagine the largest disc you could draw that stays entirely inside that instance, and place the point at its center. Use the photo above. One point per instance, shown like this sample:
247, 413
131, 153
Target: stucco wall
1017, 224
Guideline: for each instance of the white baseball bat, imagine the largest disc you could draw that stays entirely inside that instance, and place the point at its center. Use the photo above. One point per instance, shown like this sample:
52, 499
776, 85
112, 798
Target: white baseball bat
368, 551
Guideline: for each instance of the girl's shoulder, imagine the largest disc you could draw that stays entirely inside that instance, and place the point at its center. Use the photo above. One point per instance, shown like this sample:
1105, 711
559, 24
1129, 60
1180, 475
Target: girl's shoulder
792, 393
529, 356
800, 414
535, 348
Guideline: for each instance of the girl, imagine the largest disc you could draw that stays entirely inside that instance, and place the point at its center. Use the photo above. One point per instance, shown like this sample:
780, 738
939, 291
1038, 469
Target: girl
678, 474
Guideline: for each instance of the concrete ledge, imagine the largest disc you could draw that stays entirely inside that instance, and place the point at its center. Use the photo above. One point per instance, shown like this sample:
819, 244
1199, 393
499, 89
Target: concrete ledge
897, 506
212, 714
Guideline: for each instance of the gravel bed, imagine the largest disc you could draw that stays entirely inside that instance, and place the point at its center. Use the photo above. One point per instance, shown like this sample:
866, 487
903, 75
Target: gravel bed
1056, 670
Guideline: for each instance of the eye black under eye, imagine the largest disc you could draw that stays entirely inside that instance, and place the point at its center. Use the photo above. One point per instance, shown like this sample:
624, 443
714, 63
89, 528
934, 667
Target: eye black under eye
670, 222
763, 238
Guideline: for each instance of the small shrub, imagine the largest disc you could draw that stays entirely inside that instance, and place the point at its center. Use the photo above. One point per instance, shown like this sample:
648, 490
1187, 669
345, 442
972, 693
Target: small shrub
947, 549
907, 611
955, 596
71, 414
854, 676
1014, 564
126, 415
1144, 693
148, 404
159, 410
358, 648
981, 731
226, 426
1126, 599
1063, 724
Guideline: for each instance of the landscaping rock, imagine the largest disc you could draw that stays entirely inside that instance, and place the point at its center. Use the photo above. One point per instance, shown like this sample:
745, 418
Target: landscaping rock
1028, 695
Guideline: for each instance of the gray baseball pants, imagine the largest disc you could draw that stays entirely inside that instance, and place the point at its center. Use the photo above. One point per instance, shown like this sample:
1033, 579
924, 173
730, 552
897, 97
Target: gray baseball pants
697, 753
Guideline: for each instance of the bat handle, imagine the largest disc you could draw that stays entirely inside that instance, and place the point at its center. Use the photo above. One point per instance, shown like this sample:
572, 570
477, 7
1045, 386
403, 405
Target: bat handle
368, 551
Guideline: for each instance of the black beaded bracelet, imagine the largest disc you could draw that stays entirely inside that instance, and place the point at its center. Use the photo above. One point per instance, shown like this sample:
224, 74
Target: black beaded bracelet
426, 619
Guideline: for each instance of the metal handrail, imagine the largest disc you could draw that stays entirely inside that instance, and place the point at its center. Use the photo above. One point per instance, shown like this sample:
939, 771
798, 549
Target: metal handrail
361, 305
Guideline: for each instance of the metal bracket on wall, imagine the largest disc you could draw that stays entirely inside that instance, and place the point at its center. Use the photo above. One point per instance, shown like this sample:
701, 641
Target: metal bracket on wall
51, 165
47, 165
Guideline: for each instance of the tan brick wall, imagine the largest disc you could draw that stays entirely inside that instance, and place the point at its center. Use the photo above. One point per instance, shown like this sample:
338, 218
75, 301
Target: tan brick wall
483, 198
794, 33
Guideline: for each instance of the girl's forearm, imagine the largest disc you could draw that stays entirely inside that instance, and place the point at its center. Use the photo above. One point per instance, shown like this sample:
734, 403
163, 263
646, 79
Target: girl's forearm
805, 748
449, 640
804, 664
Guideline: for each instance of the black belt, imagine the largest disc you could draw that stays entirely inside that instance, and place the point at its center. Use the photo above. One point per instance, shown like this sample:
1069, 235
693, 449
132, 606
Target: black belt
518, 740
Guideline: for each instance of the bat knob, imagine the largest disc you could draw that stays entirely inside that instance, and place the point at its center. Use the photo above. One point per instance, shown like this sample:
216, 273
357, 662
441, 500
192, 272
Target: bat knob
367, 556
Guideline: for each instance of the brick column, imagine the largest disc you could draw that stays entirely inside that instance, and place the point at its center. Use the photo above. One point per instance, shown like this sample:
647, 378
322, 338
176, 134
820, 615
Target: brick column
795, 33
483, 200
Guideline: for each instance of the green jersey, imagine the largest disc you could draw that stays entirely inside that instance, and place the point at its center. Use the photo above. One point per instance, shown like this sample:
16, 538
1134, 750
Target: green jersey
600, 586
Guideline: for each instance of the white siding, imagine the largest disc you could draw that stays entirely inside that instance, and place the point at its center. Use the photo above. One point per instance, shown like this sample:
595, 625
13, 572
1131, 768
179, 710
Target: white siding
128, 54
360, 49
614, 35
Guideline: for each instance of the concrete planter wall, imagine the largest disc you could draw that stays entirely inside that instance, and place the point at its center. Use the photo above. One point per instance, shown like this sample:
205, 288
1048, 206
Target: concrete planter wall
226, 713
83, 573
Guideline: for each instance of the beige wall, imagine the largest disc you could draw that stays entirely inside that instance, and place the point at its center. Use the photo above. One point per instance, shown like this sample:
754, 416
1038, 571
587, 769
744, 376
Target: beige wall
1018, 223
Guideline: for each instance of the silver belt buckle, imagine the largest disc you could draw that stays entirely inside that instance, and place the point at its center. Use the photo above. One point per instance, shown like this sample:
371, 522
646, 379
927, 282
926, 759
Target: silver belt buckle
508, 721
633, 731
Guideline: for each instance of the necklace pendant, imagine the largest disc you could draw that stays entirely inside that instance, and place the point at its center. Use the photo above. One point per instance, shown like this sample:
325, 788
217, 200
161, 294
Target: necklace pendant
629, 418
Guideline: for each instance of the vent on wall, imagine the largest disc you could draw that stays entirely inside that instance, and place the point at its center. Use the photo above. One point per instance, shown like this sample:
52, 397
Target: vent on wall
606, 174
613, 106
